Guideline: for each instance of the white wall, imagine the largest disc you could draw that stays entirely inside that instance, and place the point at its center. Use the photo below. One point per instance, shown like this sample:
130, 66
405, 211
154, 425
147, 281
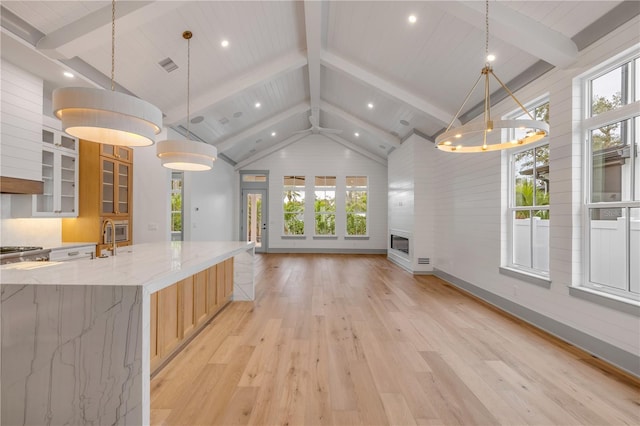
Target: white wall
210, 204
151, 196
40, 232
468, 214
410, 201
316, 155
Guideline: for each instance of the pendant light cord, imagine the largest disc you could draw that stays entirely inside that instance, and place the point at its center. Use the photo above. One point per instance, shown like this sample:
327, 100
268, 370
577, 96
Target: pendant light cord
113, 44
486, 22
188, 37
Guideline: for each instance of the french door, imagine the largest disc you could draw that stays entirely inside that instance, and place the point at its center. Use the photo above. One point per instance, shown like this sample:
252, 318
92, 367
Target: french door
254, 218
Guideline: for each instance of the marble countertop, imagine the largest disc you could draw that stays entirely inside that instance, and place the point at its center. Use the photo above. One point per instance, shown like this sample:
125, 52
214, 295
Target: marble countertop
151, 265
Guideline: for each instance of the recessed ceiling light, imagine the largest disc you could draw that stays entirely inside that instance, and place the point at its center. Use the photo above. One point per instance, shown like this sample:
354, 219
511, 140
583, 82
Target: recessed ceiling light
258, 105
356, 134
491, 58
196, 120
224, 43
370, 105
404, 122
68, 74
273, 133
237, 114
412, 19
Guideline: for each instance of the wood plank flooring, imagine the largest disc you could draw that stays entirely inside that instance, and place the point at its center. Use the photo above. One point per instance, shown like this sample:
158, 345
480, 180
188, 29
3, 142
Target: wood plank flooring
355, 340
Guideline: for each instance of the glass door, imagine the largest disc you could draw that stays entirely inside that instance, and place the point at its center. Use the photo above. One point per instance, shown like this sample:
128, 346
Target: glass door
254, 218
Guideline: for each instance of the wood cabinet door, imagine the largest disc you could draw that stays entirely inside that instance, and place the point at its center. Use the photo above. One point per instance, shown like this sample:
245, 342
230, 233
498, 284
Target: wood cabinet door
212, 291
222, 296
169, 332
120, 153
228, 277
187, 293
200, 297
155, 356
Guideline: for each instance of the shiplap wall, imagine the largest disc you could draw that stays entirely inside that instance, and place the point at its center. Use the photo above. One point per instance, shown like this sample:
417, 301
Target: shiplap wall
21, 123
469, 208
316, 155
410, 200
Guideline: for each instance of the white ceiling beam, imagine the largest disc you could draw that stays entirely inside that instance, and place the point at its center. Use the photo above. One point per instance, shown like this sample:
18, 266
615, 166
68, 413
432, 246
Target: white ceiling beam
94, 29
259, 75
313, 25
337, 63
369, 128
265, 152
262, 126
516, 29
356, 148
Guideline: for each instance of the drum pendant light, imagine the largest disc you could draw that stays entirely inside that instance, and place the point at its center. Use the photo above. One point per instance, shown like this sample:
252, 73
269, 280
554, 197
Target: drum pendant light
467, 138
104, 116
185, 154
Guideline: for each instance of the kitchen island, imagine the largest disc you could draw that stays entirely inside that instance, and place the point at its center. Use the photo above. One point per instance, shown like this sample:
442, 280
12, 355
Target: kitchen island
76, 336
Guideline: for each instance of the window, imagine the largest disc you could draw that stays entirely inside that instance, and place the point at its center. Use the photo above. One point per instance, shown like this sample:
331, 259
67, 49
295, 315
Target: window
529, 202
293, 205
325, 205
177, 179
356, 205
611, 128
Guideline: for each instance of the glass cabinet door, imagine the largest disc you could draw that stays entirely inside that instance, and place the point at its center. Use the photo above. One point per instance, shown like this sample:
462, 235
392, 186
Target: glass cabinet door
45, 201
108, 188
123, 153
123, 188
67, 183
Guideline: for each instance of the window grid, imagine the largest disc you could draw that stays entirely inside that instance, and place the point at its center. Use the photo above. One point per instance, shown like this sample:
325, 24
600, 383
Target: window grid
528, 201
325, 205
356, 205
612, 189
293, 205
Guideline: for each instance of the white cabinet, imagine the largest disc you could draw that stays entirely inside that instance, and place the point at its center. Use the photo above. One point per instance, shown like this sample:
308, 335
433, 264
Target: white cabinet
60, 178
61, 254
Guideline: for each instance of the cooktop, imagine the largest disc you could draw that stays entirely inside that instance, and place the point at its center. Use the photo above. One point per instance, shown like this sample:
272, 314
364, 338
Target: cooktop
17, 249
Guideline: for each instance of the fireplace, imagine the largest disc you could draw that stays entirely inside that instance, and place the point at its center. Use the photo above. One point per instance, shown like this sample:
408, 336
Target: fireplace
400, 243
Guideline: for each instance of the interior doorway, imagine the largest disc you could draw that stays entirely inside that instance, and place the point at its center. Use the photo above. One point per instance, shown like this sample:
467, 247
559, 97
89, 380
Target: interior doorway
254, 202
254, 208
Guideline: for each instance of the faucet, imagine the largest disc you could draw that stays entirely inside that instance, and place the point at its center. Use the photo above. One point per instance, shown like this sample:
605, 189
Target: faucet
106, 222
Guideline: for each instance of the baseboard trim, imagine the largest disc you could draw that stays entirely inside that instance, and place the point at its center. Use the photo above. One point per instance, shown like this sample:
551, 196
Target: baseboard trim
294, 250
625, 361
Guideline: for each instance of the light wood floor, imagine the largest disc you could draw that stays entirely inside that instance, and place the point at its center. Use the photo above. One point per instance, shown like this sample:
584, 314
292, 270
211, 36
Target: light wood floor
355, 340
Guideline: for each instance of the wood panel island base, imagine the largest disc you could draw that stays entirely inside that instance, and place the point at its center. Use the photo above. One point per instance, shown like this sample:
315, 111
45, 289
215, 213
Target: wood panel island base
79, 339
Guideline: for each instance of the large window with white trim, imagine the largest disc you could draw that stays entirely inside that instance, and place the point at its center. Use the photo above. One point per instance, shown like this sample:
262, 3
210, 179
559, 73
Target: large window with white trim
293, 205
325, 205
357, 189
528, 211
611, 129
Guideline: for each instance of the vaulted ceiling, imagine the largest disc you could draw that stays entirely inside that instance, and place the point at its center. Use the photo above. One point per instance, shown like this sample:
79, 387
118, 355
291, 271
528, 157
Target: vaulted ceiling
358, 67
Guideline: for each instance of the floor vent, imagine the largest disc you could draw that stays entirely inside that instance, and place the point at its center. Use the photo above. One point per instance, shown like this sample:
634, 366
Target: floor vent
423, 261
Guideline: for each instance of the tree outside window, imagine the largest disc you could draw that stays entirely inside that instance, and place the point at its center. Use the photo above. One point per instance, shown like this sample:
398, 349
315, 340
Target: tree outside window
356, 205
177, 179
325, 205
293, 205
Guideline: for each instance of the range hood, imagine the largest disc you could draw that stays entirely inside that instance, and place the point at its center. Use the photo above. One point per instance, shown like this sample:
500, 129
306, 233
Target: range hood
11, 185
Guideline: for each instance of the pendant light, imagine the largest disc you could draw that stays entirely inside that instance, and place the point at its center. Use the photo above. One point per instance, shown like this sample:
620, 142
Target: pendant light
473, 137
104, 116
185, 154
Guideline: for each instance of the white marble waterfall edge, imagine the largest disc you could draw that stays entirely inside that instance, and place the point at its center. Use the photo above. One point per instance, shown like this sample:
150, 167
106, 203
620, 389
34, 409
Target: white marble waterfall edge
75, 337
71, 355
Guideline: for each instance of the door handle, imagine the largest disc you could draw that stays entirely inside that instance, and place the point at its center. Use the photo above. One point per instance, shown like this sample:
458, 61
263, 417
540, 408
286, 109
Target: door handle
264, 227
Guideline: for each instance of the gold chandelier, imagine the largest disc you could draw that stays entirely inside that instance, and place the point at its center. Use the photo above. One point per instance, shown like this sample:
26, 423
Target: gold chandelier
474, 137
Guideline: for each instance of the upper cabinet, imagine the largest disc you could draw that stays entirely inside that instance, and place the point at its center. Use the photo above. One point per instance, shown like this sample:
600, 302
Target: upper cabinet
120, 153
115, 187
21, 127
59, 165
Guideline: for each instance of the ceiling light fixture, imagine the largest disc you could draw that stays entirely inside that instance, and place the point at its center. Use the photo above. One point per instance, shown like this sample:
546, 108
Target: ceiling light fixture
224, 43
258, 105
105, 116
273, 134
464, 135
370, 105
185, 154
356, 134
412, 19
68, 74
